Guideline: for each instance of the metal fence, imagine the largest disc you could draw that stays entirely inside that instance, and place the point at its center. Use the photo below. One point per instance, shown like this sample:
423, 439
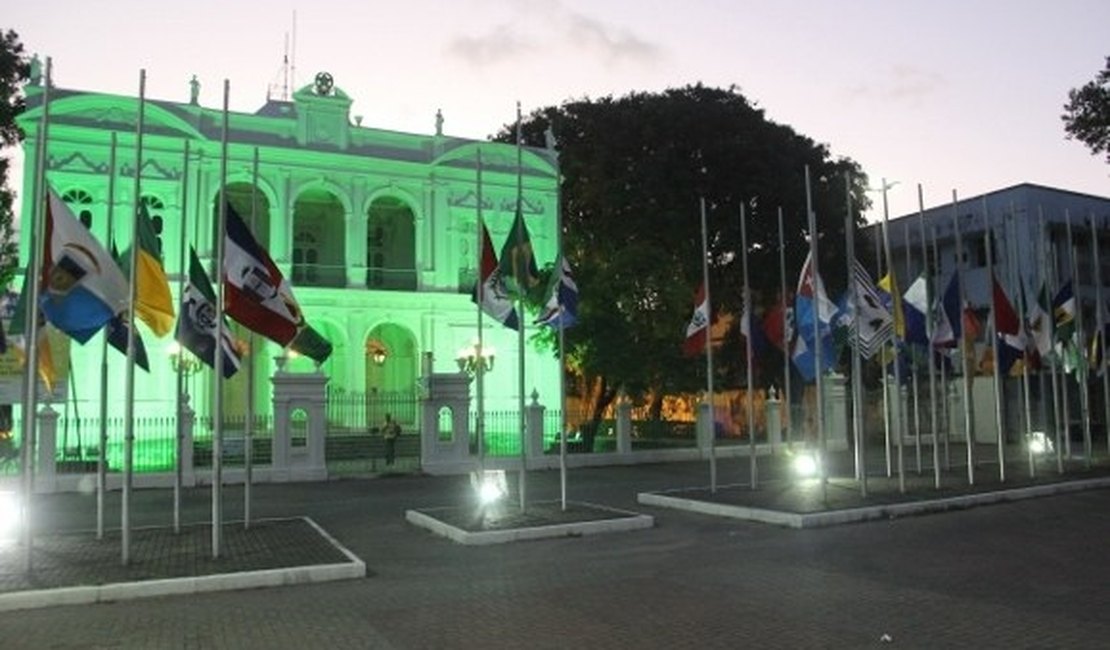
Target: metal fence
354, 443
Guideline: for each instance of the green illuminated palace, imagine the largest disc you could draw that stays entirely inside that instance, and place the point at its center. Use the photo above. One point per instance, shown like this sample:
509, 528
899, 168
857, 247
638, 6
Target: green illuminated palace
376, 229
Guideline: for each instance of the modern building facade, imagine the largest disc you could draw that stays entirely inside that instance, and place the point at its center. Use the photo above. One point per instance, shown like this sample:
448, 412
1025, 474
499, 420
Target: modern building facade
1030, 226
377, 230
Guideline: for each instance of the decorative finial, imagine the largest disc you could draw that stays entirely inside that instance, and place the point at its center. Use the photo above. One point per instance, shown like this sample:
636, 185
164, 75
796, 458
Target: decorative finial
194, 90
439, 122
549, 138
36, 70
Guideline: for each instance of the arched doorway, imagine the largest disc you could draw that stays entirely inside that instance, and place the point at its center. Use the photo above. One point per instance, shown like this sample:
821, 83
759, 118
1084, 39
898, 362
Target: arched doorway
391, 367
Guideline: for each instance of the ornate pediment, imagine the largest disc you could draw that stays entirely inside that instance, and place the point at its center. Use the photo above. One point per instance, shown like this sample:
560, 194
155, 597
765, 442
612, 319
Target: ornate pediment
76, 162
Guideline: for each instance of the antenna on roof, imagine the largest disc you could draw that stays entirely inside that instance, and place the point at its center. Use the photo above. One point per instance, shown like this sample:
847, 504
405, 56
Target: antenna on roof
293, 60
288, 66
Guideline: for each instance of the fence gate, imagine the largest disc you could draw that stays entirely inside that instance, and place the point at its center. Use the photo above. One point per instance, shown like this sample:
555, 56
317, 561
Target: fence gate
354, 441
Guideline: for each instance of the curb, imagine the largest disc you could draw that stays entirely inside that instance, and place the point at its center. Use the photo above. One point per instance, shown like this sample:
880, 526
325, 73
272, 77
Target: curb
868, 513
634, 521
117, 591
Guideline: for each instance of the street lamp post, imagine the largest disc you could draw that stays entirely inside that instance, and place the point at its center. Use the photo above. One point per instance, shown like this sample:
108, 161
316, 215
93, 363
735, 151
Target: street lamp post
184, 365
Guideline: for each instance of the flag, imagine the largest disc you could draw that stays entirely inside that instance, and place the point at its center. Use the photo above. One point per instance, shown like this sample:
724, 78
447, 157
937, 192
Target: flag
153, 302
83, 287
561, 310
698, 329
312, 344
1063, 310
495, 297
751, 328
812, 310
876, 325
518, 263
915, 306
1011, 340
116, 331
45, 366
1098, 351
1036, 314
196, 329
257, 295
949, 324
775, 326
893, 301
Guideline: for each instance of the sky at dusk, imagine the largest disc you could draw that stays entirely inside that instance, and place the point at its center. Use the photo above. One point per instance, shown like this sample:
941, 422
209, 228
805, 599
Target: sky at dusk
949, 94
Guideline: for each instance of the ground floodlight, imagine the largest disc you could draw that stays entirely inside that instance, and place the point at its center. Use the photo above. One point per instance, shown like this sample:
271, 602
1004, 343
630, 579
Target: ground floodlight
1039, 443
9, 513
489, 485
805, 465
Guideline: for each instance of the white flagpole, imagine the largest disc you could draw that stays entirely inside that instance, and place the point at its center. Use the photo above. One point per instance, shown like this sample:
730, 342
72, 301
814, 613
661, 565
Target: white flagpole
248, 428
217, 396
1081, 371
480, 367
897, 369
819, 379
102, 462
561, 262
945, 414
30, 328
708, 352
857, 362
909, 350
880, 237
520, 309
929, 328
966, 351
1063, 345
786, 327
753, 471
1047, 262
129, 400
1101, 327
1012, 253
993, 333
182, 265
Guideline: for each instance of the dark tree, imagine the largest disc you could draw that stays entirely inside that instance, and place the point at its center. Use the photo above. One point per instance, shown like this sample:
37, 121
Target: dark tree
1087, 113
634, 169
15, 70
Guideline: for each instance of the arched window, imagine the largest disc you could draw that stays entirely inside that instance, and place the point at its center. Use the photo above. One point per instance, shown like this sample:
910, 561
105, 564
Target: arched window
80, 202
390, 245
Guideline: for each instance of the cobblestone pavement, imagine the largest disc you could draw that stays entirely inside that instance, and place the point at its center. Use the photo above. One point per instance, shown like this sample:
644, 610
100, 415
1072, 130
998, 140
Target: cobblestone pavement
1030, 574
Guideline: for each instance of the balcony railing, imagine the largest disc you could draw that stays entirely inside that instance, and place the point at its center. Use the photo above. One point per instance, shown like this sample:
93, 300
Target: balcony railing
390, 279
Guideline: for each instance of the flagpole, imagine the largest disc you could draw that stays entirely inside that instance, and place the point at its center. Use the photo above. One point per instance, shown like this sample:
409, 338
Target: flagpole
30, 327
820, 376
708, 352
992, 331
1101, 324
520, 308
480, 367
945, 414
129, 400
178, 478
217, 397
857, 364
1081, 371
911, 357
786, 327
102, 460
897, 369
1063, 345
753, 471
929, 352
248, 428
880, 237
965, 353
1011, 252
561, 263
1047, 262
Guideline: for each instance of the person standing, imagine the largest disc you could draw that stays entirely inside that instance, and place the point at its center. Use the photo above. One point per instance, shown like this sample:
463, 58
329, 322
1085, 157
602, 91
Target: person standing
390, 431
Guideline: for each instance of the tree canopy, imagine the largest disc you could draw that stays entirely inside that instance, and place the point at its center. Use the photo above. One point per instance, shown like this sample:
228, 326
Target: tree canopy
634, 169
1087, 113
15, 70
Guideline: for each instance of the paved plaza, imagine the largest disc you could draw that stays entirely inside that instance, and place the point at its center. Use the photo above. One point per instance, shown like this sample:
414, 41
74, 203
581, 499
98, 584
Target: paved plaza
1031, 573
